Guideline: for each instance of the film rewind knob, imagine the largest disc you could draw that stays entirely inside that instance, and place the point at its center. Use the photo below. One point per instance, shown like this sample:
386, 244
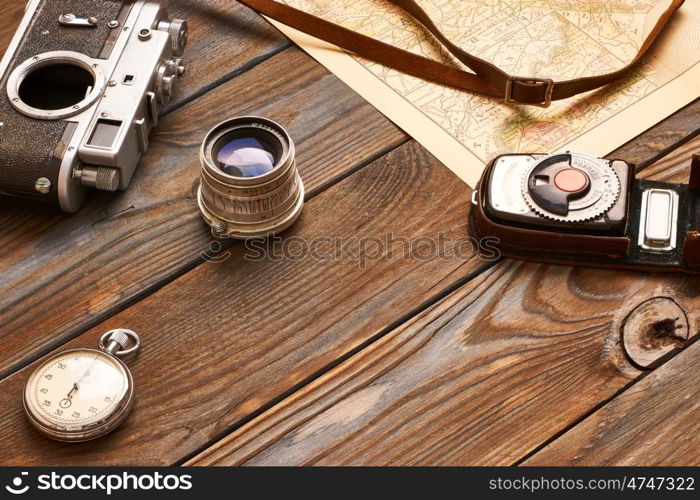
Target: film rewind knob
177, 28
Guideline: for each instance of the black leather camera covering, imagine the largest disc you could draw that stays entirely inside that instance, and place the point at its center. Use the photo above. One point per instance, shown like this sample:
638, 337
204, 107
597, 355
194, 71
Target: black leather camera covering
27, 145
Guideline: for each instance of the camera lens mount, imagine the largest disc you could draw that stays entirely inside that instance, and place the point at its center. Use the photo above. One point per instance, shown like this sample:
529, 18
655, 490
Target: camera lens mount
55, 85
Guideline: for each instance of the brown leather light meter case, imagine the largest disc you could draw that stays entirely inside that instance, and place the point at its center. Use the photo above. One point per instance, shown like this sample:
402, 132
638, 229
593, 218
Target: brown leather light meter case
575, 209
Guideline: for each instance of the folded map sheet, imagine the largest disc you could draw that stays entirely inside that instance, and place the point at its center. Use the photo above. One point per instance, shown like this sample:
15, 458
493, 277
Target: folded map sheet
558, 39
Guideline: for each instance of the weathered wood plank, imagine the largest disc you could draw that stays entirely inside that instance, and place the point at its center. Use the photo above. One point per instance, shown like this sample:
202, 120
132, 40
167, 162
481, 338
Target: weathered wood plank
10, 17
655, 422
492, 372
220, 408
62, 274
228, 338
676, 166
662, 139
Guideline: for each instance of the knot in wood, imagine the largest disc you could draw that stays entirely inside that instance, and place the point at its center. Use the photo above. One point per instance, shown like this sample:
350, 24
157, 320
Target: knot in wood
654, 329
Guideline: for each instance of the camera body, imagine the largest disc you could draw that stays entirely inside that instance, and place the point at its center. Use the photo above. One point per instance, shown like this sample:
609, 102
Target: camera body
81, 87
577, 209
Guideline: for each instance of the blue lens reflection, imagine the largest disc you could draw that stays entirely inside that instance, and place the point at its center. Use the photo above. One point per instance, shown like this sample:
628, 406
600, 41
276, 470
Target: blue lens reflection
245, 157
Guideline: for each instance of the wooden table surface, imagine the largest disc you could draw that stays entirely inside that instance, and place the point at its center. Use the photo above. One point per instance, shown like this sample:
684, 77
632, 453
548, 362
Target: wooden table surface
296, 361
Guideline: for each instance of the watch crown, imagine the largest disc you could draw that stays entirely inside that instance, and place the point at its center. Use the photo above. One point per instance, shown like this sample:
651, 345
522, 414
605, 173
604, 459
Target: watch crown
116, 342
119, 337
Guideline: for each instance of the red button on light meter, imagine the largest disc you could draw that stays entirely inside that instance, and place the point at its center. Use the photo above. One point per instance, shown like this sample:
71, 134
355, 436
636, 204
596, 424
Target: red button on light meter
571, 180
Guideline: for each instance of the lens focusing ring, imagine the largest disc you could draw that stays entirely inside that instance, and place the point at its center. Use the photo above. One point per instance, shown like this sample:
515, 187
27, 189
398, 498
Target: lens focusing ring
256, 206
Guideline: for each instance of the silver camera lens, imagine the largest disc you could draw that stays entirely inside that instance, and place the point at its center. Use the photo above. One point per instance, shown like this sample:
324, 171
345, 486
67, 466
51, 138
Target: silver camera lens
250, 185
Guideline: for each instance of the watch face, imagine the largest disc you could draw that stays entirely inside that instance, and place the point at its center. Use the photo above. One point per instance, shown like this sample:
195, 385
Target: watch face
77, 388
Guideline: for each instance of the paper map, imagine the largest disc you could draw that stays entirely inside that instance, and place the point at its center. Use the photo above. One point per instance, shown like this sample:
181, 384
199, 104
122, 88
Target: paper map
558, 39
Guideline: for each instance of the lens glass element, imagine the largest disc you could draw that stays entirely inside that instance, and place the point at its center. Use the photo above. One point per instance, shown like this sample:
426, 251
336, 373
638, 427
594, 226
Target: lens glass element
246, 157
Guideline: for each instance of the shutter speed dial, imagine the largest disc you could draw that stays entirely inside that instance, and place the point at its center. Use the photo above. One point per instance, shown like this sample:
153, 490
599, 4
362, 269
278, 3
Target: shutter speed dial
570, 187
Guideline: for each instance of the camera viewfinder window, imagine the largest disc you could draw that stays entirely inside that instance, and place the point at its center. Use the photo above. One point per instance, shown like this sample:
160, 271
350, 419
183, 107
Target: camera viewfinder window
105, 133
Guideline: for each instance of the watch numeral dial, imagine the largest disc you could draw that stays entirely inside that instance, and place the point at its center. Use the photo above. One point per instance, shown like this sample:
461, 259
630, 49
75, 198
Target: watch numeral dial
82, 394
90, 383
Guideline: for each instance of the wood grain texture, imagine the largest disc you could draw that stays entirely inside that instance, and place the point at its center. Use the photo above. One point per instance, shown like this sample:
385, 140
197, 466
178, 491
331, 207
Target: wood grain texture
228, 338
61, 274
226, 341
655, 422
485, 377
663, 138
10, 17
656, 330
675, 167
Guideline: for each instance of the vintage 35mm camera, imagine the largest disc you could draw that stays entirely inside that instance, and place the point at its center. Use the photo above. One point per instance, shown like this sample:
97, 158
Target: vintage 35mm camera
81, 87
574, 208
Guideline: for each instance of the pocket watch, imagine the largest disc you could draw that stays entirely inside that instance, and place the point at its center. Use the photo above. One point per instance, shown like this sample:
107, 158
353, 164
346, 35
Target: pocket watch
82, 394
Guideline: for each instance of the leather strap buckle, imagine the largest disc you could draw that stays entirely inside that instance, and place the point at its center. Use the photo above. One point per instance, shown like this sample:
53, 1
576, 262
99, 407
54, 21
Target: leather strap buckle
532, 82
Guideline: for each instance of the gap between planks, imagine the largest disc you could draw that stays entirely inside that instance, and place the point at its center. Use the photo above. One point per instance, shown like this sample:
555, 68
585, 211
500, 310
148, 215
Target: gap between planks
389, 133
345, 357
673, 170
275, 50
318, 189
568, 430
626, 432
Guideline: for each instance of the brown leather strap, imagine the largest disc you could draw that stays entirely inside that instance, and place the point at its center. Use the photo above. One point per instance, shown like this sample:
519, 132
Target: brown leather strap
691, 250
694, 182
487, 79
